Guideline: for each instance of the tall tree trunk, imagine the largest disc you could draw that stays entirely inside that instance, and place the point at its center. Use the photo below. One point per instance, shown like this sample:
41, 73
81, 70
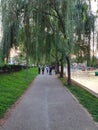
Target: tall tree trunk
93, 57
27, 63
57, 66
68, 71
27, 37
88, 51
61, 73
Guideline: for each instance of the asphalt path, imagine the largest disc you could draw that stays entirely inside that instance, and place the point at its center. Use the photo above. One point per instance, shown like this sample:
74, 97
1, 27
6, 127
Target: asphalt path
48, 105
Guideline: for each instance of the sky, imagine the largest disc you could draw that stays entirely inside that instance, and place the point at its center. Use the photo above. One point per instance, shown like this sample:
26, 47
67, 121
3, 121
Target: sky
94, 6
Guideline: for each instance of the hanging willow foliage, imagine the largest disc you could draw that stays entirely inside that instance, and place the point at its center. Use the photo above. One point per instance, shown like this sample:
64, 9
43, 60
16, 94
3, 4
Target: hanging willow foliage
83, 28
45, 28
52, 25
10, 20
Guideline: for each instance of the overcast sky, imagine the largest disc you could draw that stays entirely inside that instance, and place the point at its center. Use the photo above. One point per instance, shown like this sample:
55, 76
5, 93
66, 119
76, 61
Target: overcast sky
94, 5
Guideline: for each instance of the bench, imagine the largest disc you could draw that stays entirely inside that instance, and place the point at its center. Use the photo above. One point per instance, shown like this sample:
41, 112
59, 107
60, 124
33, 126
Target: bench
96, 73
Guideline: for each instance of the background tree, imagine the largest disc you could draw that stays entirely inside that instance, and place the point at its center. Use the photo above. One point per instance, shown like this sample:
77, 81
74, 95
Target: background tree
84, 27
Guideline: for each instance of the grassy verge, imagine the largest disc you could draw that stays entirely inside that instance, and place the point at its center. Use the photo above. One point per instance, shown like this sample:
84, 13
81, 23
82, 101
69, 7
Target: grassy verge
12, 87
89, 101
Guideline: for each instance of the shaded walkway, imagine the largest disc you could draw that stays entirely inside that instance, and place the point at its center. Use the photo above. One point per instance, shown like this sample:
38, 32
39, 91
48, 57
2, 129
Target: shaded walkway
47, 105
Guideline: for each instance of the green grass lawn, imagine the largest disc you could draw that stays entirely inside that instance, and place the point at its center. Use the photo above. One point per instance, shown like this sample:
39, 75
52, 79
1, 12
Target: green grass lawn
12, 86
89, 101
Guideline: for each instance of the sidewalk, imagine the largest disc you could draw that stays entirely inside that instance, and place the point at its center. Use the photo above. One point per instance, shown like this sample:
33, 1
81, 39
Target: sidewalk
87, 79
47, 105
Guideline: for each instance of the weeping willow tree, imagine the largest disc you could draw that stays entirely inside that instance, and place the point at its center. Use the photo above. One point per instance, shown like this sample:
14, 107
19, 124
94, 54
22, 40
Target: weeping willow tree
15, 15
6, 29
10, 22
1, 62
53, 17
84, 27
45, 28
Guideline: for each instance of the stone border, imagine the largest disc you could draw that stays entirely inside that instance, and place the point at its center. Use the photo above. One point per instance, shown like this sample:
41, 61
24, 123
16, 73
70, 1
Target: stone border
82, 86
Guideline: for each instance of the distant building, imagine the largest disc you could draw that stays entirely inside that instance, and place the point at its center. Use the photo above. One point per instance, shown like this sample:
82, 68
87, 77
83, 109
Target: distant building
13, 54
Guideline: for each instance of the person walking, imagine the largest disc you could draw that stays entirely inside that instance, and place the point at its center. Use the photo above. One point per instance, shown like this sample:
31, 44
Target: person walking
39, 69
50, 70
43, 69
47, 69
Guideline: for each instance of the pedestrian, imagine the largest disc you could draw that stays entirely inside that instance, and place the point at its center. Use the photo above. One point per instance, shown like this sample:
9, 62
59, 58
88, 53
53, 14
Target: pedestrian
42, 69
50, 70
39, 69
47, 69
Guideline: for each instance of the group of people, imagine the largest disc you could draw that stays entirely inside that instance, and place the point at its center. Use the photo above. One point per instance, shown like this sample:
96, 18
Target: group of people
43, 68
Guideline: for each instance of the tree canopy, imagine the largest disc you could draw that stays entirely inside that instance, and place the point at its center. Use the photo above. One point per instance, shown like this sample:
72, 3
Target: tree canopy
49, 30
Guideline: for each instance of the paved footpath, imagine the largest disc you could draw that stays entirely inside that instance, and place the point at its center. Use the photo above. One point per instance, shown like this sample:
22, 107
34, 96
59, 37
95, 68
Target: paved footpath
47, 105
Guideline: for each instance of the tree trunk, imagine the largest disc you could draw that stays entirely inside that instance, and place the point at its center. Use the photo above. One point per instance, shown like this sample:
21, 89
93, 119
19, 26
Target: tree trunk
61, 73
68, 71
27, 39
27, 63
57, 67
88, 51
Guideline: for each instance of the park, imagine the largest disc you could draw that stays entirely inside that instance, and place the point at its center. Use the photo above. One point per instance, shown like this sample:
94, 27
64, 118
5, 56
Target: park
49, 65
